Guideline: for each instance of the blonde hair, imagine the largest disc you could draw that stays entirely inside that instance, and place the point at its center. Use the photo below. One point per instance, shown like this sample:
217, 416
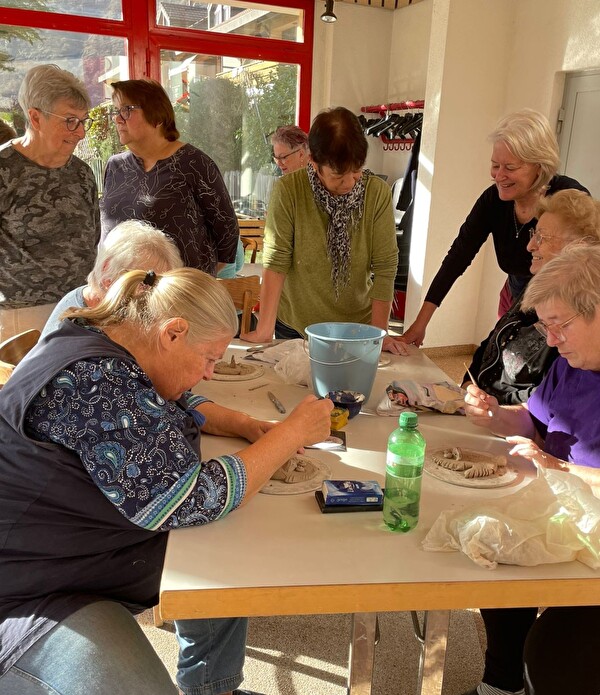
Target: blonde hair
147, 301
572, 277
528, 135
578, 212
132, 244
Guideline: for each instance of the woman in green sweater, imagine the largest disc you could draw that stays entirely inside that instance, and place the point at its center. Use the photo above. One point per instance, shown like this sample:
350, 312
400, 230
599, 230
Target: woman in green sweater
330, 250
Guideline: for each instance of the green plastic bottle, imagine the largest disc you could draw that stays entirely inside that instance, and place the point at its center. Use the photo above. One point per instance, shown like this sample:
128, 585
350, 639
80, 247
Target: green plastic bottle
403, 475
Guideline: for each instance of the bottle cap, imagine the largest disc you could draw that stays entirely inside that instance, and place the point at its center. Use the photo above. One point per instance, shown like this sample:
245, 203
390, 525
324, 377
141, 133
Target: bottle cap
408, 419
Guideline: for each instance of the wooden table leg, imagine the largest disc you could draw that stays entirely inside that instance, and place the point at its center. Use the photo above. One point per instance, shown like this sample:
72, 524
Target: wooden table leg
433, 638
362, 653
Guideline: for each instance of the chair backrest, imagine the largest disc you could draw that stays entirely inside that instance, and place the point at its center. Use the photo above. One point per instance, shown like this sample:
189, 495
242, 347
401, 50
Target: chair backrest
251, 244
245, 293
12, 350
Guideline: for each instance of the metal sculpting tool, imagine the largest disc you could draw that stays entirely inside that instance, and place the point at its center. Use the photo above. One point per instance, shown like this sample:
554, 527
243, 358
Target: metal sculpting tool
276, 402
489, 412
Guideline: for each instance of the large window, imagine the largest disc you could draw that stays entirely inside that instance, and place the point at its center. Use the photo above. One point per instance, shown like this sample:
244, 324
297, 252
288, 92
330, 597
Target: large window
234, 72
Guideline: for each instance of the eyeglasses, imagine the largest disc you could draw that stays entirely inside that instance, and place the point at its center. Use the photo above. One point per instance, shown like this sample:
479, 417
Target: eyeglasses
123, 111
538, 237
285, 156
72, 122
556, 329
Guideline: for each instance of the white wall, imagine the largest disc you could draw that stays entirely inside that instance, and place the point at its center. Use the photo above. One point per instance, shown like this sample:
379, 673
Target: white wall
485, 58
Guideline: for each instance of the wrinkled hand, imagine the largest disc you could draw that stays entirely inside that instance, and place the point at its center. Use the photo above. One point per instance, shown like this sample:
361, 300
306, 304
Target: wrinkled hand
414, 335
310, 419
395, 345
480, 407
257, 336
256, 428
528, 449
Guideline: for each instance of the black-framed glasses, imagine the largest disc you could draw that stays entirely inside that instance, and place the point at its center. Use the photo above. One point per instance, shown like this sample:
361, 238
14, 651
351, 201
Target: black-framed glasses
538, 237
72, 122
123, 111
556, 329
285, 156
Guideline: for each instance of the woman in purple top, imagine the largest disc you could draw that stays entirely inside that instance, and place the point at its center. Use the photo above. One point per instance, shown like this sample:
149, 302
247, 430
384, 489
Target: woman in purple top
161, 180
556, 428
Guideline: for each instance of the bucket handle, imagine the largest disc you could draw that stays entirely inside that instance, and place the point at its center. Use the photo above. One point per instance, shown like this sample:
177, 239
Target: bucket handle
336, 364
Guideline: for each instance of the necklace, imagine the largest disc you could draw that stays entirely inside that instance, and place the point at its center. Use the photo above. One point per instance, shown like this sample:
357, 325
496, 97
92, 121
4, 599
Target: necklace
518, 229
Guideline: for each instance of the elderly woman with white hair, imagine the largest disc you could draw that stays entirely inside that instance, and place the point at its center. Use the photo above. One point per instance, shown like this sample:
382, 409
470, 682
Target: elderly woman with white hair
290, 148
132, 244
525, 160
49, 215
100, 461
556, 428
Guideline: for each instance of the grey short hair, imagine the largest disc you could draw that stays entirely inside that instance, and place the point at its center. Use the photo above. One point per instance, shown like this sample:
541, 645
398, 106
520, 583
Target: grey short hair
132, 244
573, 277
290, 135
186, 293
44, 85
528, 135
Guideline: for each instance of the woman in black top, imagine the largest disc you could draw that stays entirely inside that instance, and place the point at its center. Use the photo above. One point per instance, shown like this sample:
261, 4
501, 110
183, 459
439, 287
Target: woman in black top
524, 163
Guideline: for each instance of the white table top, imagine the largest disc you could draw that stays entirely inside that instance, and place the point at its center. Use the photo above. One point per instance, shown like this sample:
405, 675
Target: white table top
280, 555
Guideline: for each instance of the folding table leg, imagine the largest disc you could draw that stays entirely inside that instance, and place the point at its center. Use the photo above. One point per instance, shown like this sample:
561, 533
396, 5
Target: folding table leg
433, 638
362, 653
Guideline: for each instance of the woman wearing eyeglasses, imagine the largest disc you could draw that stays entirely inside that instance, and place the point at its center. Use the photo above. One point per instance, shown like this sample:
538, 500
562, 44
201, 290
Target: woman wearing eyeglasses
556, 428
523, 168
49, 217
290, 148
514, 358
166, 182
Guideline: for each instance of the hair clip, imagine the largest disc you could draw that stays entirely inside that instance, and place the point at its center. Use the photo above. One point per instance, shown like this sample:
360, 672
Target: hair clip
150, 278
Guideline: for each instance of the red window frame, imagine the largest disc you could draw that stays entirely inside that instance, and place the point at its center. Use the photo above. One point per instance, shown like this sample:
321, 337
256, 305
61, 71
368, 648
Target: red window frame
146, 39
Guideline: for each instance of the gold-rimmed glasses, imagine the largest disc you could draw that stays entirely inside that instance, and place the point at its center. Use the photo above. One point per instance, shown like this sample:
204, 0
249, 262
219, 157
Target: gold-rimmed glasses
72, 122
556, 329
538, 237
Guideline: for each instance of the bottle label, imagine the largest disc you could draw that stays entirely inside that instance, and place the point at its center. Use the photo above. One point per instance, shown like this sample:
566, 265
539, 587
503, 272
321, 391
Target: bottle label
405, 466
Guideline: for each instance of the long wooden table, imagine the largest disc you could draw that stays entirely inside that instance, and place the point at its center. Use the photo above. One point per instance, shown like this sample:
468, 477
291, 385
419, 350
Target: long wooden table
279, 555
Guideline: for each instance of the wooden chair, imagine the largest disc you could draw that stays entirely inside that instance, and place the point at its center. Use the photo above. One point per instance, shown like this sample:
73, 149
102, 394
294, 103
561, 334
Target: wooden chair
12, 351
245, 293
251, 244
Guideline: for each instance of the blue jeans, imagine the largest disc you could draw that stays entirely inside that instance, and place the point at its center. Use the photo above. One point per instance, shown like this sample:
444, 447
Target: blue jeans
101, 649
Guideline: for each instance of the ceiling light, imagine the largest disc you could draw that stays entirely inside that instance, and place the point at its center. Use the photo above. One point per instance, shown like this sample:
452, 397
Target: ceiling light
328, 15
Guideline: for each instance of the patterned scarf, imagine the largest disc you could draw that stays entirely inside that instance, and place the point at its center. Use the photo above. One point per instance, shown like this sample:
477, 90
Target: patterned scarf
344, 213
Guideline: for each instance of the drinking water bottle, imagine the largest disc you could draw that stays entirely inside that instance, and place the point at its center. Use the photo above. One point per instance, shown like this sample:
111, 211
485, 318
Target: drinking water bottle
403, 475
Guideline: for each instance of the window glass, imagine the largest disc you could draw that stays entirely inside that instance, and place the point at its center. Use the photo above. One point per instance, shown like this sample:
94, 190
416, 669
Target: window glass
97, 60
103, 9
247, 19
229, 107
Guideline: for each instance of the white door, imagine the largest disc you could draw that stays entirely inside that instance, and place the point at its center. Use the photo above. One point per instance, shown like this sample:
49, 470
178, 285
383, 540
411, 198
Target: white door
579, 135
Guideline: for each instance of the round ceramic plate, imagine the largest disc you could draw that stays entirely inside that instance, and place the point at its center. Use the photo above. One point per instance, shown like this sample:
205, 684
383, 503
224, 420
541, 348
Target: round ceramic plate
279, 487
255, 370
458, 477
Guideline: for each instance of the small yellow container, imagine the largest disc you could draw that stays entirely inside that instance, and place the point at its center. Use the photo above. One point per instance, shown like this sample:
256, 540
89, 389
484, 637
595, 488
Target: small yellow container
339, 418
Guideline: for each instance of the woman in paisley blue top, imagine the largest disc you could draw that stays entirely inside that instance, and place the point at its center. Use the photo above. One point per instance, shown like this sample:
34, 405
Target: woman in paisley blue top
100, 454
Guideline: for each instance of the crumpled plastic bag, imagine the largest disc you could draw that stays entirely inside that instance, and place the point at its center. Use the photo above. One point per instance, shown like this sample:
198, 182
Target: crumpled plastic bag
556, 518
290, 361
410, 395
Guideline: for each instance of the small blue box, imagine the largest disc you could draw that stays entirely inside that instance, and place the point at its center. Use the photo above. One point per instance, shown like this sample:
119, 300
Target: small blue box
365, 492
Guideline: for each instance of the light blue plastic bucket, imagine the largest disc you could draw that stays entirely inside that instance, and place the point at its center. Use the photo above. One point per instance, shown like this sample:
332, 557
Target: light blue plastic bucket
343, 356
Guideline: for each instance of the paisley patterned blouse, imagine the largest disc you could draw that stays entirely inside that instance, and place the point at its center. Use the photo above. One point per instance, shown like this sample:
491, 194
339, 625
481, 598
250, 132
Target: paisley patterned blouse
132, 443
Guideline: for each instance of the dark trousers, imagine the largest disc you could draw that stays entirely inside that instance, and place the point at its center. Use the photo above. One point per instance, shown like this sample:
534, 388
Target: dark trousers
558, 651
561, 652
506, 630
283, 331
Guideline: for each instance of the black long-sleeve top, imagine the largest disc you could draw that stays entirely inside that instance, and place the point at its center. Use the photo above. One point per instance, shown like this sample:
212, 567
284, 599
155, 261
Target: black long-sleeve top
490, 215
